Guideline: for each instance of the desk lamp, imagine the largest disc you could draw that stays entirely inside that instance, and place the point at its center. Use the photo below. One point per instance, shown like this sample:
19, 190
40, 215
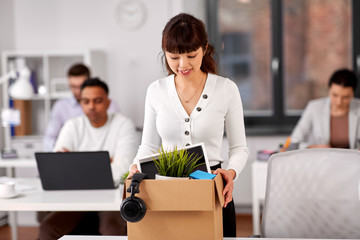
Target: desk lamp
20, 89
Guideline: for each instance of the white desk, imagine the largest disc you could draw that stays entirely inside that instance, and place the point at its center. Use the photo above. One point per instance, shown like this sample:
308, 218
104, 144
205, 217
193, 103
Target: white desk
68, 237
78, 237
125, 238
10, 164
39, 200
259, 174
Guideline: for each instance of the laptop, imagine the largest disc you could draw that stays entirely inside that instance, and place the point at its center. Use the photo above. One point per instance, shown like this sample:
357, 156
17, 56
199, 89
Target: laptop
75, 170
148, 167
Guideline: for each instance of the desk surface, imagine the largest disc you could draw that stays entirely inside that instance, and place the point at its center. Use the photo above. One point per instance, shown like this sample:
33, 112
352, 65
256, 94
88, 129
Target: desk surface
74, 237
18, 162
37, 199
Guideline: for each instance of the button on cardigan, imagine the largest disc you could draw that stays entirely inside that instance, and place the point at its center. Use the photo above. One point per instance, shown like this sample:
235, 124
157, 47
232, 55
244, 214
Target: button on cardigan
219, 108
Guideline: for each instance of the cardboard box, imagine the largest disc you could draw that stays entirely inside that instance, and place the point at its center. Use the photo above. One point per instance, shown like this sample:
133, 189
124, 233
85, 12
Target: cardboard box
180, 209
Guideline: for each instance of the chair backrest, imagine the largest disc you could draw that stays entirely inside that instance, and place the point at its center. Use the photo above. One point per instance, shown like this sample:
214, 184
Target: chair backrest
313, 193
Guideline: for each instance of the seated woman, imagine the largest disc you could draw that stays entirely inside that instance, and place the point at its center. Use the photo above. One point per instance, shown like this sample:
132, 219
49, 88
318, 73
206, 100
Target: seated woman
333, 121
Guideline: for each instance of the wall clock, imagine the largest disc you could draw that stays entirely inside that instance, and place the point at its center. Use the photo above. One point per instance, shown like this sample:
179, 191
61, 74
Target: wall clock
130, 14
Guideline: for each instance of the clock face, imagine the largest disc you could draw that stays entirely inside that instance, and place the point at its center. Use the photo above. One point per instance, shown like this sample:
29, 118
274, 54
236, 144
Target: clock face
130, 14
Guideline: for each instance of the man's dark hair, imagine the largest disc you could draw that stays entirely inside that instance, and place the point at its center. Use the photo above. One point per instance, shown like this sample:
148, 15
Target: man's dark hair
345, 78
95, 82
79, 69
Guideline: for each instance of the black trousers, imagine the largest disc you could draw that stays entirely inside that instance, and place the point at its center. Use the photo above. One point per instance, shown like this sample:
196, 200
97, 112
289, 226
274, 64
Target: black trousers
229, 217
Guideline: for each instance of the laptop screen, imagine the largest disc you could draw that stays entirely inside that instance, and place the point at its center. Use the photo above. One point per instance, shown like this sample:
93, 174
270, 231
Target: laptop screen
74, 170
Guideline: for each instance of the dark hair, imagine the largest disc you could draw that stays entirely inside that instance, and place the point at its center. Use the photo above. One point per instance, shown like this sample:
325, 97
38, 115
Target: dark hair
183, 34
94, 82
344, 77
79, 69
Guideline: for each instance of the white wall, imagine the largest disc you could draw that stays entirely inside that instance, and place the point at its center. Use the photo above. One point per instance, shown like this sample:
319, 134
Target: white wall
6, 38
7, 24
132, 57
6, 42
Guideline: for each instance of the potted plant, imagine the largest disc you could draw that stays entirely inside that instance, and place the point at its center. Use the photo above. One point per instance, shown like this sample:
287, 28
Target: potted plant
175, 163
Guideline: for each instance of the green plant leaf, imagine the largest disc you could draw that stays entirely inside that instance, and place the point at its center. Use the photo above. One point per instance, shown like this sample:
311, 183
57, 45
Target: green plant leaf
176, 163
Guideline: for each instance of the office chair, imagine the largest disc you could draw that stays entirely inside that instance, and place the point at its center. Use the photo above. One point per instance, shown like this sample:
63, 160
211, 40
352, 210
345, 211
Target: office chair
313, 193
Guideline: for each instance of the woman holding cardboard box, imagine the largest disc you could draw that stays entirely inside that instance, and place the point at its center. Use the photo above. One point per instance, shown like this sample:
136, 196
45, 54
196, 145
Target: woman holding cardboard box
194, 105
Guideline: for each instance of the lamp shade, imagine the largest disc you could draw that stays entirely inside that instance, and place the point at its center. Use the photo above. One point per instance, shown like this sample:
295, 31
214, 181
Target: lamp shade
22, 88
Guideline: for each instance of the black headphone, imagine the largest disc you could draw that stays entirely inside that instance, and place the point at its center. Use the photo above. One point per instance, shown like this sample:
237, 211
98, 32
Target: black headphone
133, 209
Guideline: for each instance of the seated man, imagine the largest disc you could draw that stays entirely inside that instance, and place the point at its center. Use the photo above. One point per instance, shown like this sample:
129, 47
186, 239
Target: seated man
94, 131
331, 121
67, 108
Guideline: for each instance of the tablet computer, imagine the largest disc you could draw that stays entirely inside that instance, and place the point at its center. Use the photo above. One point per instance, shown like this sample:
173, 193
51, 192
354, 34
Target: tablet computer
147, 165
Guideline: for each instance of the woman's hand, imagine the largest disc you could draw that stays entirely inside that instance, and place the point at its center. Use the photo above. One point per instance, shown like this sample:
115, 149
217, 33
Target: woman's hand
63, 150
133, 170
229, 176
320, 146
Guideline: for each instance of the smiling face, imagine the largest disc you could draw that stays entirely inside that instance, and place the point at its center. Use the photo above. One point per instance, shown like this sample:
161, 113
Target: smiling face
340, 97
95, 103
185, 65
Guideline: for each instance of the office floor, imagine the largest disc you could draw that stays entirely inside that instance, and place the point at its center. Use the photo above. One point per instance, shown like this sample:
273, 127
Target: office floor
243, 229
